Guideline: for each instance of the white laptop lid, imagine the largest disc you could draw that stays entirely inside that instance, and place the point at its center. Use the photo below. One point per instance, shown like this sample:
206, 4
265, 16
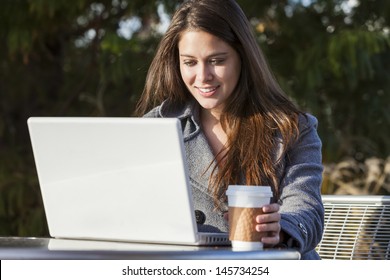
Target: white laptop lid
119, 179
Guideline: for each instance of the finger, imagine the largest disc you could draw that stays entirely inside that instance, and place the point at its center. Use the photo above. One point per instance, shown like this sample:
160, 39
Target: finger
271, 240
268, 218
269, 208
226, 216
270, 227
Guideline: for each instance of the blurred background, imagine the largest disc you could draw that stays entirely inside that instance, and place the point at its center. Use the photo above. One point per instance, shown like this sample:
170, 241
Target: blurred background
90, 58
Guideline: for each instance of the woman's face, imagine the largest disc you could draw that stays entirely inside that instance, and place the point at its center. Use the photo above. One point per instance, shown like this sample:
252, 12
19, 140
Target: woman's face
209, 67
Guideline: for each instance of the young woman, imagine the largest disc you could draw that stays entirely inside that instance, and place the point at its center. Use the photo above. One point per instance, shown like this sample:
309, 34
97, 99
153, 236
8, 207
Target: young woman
238, 125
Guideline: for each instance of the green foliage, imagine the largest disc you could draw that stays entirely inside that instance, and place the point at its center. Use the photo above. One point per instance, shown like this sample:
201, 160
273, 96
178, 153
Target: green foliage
333, 60
68, 58
21, 210
60, 58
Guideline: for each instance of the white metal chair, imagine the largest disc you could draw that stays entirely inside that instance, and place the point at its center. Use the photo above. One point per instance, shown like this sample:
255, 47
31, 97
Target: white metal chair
356, 227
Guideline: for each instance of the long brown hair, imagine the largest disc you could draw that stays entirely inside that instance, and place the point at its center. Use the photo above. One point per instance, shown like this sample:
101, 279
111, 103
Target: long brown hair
255, 116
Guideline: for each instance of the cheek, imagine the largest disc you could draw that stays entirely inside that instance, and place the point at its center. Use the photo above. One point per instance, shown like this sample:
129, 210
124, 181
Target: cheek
222, 74
186, 75
228, 75
234, 75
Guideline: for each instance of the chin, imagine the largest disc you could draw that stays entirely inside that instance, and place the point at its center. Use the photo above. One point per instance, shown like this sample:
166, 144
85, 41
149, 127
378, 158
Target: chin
208, 106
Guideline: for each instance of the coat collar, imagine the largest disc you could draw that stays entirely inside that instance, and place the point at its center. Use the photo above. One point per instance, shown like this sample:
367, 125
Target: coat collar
200, 158
188, 116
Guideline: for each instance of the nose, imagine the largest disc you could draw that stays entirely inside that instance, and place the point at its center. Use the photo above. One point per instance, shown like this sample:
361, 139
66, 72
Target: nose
204, 73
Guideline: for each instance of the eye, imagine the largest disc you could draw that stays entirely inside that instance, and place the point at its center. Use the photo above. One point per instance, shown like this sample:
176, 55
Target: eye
189, 62
216, 61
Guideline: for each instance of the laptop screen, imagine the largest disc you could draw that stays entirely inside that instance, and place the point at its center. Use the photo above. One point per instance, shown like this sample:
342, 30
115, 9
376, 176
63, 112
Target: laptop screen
114, 178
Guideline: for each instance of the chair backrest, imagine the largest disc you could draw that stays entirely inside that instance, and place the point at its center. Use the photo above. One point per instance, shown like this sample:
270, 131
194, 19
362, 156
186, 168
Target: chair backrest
356, 227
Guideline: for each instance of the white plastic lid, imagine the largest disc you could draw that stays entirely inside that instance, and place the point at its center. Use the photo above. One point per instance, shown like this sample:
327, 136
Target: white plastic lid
248, 196
249, 190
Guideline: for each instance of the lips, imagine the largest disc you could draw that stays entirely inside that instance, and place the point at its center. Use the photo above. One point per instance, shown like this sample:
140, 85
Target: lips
207, 91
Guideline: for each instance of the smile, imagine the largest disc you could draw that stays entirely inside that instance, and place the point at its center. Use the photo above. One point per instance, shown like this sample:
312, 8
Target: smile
207, 91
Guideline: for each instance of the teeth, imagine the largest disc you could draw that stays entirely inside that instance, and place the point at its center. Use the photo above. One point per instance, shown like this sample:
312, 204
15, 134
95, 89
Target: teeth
206, 90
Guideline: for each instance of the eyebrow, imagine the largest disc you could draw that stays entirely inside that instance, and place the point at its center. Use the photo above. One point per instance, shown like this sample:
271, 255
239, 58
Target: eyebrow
211, 55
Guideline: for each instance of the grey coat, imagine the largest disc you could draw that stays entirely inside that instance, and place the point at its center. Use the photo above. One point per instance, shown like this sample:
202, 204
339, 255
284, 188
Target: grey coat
300, 173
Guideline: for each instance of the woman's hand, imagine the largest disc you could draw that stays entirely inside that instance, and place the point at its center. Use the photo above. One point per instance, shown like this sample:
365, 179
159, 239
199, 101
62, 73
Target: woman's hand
269, 222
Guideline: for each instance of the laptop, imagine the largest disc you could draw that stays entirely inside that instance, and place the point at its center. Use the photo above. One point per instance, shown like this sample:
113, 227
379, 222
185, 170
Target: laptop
116, 179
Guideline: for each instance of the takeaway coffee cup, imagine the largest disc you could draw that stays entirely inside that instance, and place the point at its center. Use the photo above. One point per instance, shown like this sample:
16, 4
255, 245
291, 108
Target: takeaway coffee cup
245, 203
